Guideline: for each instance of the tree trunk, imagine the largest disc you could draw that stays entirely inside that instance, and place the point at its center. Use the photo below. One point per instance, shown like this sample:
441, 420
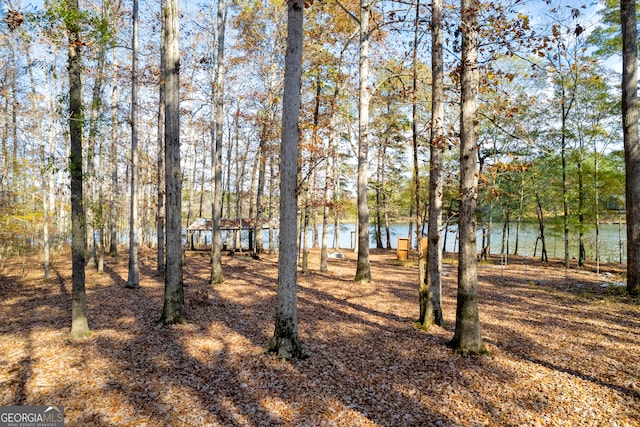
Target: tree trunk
520, 210
467, 338
314, 208
382, 189
240, 168
363, 269
410, 234
262, 170
620, 243
100, 242
174, 310
582, 255
431, 296
490, 225
91, 181
565, 201
378, 186
330, 185
79, 322
425, 296
14, 115
285, 341
314, 163
324, 255
336, 207
15, 171
597, 204
90, 175
203, 167
315, 149
272, 237
231, 143
4, 158
304, 222
505, 232
191, 178
300, 220
543, 251
133, 279
216, 162
160, 213
113, 160
631, 143
46, 188
387, 224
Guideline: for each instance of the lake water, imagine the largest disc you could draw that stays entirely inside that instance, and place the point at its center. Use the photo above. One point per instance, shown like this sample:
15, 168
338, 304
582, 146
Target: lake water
609, 240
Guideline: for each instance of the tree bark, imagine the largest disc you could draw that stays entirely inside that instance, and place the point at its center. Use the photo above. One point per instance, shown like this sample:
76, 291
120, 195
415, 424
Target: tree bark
597, 204
631, 143
467, 338
133, 279
363, 269
304, 223
565, 198
216, 207
314, 163
431, 295
79, 322
113, 160
174, 310
160, 213
582, 253
425, 318
272, 237
101, 240
285, 341
378, 209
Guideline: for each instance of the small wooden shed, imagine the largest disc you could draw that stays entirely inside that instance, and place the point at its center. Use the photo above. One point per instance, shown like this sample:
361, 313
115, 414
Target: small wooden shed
204, 225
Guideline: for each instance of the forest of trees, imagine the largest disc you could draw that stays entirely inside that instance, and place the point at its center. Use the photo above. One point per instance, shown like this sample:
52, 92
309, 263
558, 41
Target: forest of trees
122, 128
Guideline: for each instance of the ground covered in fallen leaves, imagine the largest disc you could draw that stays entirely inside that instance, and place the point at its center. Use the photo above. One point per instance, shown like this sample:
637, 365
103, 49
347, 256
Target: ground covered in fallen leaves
564, 349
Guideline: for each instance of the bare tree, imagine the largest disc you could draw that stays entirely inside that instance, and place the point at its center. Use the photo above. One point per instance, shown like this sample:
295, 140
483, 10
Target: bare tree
174, 310
285, 341
430, 297
467, 338
133, 279
218, 90
363, 268
79, 322
160, 214
631, 143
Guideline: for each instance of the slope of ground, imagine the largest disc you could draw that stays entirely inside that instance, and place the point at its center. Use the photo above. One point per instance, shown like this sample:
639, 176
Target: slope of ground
564, 349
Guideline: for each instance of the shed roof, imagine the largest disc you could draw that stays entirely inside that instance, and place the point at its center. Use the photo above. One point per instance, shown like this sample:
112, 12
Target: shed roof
204, 224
